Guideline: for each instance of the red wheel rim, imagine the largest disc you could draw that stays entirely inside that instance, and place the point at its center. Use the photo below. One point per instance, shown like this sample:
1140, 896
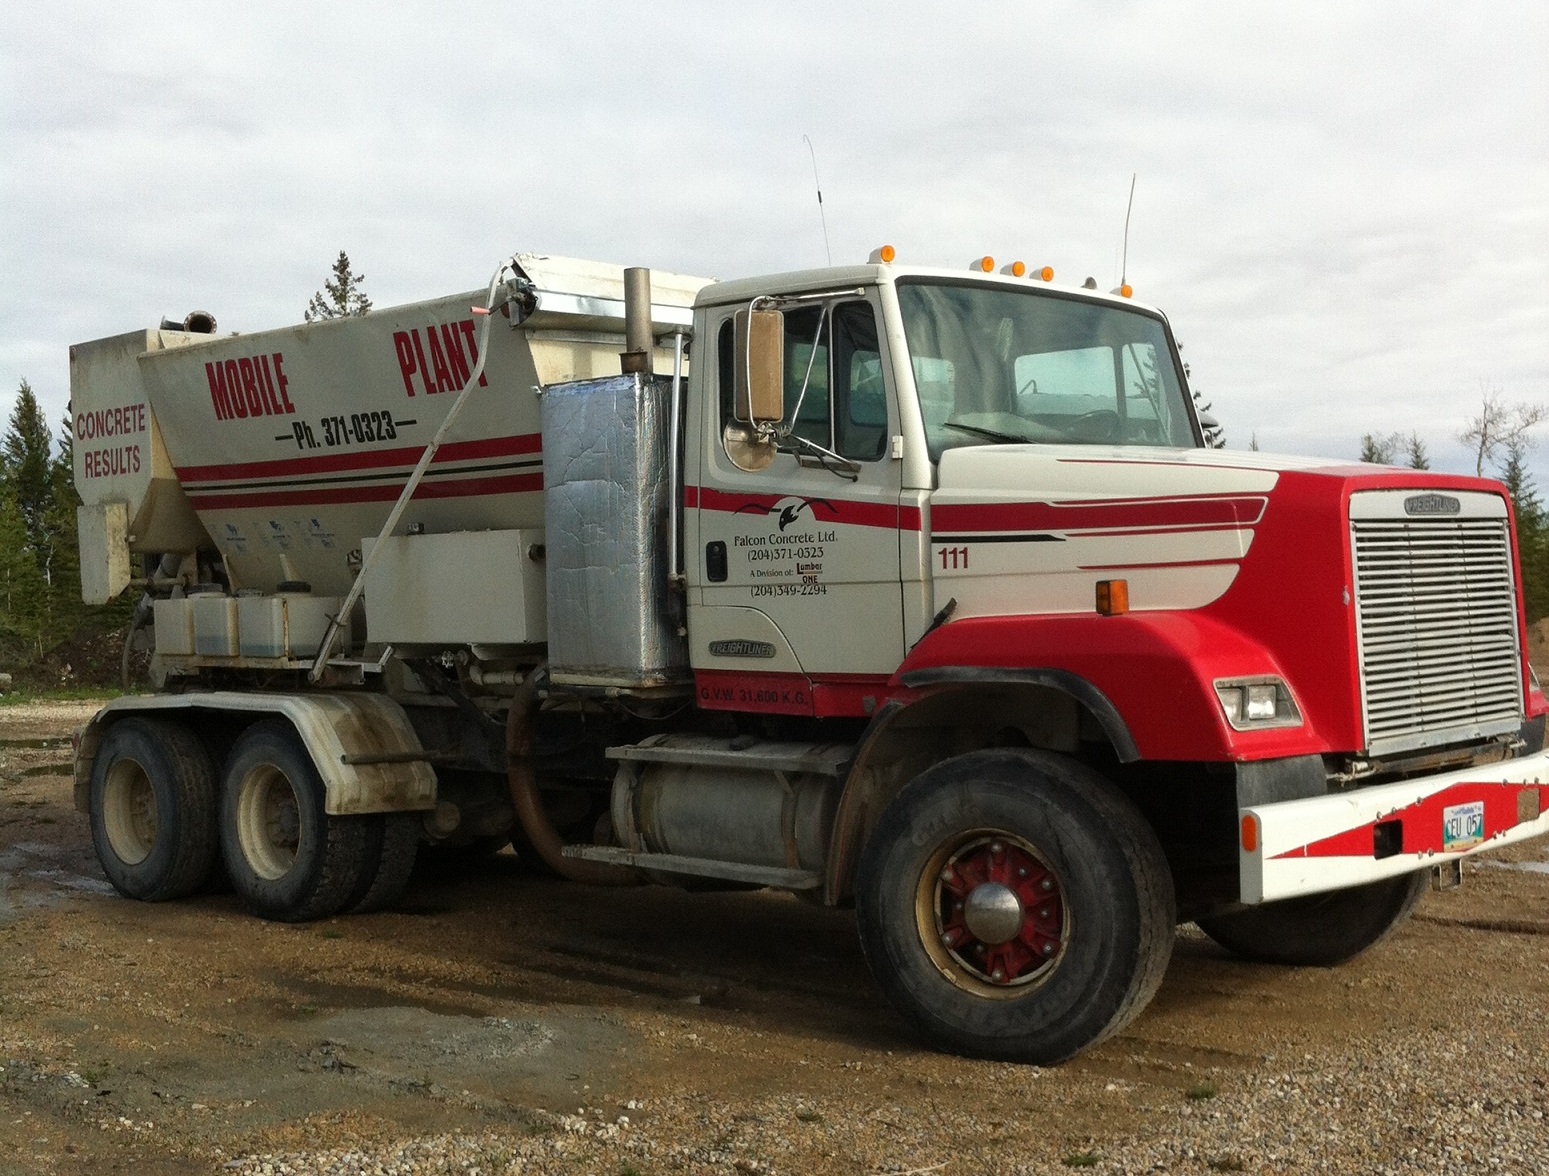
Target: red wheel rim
998, 911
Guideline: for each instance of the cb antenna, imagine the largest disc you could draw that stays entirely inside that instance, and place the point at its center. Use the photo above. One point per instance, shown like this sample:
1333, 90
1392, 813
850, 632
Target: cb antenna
822, 216
1128, 208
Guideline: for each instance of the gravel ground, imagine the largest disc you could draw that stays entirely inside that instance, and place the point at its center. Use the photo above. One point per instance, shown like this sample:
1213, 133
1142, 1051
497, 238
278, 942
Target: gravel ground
505, 1024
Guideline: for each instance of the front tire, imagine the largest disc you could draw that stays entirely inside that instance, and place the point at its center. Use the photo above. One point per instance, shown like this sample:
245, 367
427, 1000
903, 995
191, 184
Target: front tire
287, 858
152, 807
1318, 930
1013, 904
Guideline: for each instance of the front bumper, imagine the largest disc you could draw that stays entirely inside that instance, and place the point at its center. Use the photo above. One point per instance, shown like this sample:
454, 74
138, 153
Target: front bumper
1344, 839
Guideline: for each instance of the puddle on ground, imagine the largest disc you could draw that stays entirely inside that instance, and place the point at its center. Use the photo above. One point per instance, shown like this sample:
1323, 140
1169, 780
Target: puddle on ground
28, 863
358, 996
72, 881
493, 1056
1529, 867
63, 768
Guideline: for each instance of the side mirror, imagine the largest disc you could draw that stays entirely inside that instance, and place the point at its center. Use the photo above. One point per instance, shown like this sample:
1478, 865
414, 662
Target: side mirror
760, 363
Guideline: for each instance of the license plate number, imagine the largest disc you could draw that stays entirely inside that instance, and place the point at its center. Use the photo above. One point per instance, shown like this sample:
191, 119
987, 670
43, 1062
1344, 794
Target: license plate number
1462, 826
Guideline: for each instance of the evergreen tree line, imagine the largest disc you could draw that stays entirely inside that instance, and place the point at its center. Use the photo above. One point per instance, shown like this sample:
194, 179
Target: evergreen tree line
40, 573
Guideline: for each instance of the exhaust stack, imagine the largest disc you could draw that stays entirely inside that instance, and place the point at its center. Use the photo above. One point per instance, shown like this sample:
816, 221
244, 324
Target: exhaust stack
637, 322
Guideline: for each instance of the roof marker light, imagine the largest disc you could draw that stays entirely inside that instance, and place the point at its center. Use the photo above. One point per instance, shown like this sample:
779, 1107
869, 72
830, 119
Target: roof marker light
1046, 273
984, 265
883, 255
1017, 269
1124, 291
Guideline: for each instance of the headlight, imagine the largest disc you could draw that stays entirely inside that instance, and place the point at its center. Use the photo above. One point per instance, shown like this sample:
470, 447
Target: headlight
1254, 704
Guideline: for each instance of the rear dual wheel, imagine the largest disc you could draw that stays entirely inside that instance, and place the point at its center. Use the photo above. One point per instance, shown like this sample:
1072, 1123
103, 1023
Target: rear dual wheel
152, 808
287, 857
1013, 904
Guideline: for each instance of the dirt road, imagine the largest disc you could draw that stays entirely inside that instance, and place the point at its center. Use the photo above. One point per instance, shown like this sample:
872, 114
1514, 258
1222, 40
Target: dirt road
501, 1023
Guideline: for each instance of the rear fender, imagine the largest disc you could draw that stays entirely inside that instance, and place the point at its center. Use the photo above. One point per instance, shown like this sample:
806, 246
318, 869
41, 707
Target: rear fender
365, 751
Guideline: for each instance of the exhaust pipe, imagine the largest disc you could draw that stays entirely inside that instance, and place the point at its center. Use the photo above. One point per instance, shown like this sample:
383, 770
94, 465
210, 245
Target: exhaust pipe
637, 322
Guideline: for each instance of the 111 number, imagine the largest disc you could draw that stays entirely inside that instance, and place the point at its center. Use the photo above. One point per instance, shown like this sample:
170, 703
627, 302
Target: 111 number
954, 558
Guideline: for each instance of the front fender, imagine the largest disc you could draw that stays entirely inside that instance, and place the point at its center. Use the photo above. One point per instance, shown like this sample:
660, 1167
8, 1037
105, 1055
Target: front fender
1157, 669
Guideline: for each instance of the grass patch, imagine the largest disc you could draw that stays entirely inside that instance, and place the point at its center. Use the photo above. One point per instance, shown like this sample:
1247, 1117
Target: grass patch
1201, 1091
21, 696
333, 934
1081, 1160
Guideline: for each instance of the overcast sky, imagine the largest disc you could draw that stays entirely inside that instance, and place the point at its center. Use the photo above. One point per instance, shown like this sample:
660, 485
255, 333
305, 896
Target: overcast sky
1343, 207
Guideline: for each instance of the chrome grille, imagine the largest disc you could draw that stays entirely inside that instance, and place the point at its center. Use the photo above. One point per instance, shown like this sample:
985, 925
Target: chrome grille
1436, 610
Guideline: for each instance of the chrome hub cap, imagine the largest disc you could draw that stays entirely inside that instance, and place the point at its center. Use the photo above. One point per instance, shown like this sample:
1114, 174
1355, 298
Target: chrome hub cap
992, 914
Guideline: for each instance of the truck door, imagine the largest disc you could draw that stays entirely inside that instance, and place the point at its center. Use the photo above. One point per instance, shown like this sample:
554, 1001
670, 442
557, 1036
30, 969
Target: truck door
797, 564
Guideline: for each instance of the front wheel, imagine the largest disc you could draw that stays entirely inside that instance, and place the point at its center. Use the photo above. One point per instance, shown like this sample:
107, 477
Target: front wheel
287, 858
1015, 905
1318, 930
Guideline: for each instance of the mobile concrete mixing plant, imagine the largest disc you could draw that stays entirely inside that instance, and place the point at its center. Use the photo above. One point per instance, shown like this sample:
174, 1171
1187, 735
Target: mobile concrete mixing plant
911, 588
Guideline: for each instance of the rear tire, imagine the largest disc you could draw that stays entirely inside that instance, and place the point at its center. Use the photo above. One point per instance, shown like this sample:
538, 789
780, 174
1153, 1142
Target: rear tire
393, 844
1013, 904
152, 806
1318, 930
287, 858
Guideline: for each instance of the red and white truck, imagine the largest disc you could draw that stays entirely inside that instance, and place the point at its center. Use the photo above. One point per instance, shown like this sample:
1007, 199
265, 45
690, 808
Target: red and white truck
909, 588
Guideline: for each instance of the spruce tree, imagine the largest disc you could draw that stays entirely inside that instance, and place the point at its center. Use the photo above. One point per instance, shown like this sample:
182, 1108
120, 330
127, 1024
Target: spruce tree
64, 579
22, 590
1379, 448
25, 462
1532, 527
342, 296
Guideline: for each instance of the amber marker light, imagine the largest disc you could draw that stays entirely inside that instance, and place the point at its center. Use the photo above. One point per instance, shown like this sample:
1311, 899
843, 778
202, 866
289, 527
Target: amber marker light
1047, 273
1017, 269
884, 255
1125, 291
1113, 597
985, 265
1250, 833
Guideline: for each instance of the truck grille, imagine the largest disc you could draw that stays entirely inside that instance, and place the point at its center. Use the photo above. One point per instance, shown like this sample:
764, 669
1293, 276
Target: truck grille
1436, 611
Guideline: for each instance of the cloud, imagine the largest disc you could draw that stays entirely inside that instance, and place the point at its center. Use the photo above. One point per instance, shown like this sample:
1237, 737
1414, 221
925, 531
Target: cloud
1342, 207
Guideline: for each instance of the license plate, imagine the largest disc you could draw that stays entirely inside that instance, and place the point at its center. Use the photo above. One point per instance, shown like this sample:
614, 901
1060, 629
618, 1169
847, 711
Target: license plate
1462, 826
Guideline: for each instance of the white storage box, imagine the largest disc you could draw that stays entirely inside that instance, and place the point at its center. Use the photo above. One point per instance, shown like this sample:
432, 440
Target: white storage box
215, 626
174, 621
290, 625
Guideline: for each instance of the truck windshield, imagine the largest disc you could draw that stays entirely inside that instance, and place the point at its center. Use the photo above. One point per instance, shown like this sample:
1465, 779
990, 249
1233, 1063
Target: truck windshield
998, 366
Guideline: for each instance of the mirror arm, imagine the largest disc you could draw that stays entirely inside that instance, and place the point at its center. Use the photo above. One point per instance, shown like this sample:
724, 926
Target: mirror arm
842, 467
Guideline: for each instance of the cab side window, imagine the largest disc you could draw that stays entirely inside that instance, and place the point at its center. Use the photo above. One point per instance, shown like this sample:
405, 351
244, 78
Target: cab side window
860, 400
835, 395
